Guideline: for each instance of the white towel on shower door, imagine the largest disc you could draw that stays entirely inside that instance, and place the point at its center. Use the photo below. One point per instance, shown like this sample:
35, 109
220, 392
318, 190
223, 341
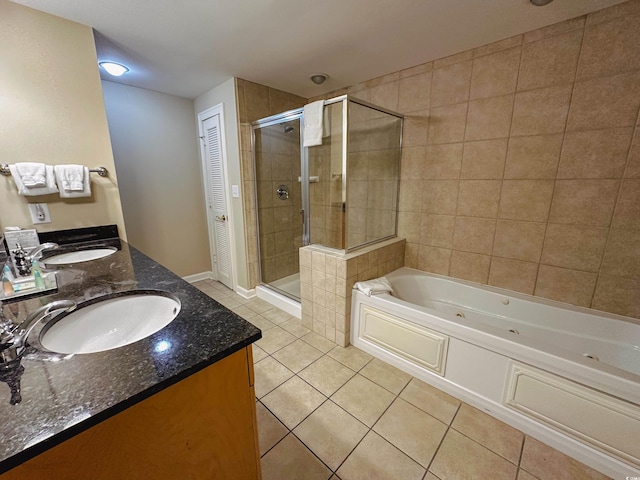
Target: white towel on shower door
313, 123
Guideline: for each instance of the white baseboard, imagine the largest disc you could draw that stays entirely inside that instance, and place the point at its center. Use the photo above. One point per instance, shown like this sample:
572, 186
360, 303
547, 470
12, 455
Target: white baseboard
197, 277
244, 293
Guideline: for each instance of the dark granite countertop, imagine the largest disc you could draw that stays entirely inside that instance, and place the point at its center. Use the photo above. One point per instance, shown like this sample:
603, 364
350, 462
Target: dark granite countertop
64, 395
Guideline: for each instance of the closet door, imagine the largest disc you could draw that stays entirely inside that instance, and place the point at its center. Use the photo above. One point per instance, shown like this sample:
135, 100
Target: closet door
218, 215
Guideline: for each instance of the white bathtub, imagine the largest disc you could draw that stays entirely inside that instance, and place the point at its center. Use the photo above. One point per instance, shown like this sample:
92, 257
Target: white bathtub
566, 375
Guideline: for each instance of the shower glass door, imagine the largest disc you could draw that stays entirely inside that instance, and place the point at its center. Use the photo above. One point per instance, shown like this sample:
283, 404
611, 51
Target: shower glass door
279, 202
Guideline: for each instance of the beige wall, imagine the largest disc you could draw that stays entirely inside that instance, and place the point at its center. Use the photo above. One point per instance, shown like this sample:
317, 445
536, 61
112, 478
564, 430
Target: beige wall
53, 112
256, 101
225, 94
521, 161
155, 146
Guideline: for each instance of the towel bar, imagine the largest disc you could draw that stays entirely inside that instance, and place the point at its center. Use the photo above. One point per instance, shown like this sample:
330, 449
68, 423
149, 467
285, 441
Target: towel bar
102, 171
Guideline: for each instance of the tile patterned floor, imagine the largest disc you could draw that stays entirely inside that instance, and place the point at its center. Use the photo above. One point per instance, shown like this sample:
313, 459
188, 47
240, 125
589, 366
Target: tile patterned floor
332, 413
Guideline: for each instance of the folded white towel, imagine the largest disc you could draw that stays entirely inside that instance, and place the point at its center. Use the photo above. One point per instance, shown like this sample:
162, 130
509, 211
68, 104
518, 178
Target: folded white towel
313, 120
71, 182
70, 177
33, 175
50, 183
376, 286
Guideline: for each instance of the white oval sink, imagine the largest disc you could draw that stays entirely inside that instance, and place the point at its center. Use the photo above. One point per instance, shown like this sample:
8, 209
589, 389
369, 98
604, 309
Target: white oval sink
79, 256
110, 323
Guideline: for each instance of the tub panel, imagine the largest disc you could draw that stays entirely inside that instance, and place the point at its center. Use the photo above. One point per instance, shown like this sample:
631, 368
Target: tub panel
412, 342
603, 421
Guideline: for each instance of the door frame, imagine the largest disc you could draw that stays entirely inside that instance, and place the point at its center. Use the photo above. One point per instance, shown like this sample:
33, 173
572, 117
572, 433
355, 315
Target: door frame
202, 116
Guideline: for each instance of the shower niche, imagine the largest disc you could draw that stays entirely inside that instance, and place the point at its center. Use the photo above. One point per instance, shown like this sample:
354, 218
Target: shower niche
342, 194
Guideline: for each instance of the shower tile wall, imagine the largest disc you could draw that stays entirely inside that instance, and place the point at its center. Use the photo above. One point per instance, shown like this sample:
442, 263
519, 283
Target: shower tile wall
521, 161
257, 101
326, 282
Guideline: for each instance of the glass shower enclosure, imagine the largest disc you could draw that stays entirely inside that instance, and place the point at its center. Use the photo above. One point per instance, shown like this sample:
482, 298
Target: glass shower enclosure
342, 194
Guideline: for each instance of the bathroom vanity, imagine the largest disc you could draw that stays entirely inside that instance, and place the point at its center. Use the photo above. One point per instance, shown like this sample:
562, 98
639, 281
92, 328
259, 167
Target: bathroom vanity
177, 404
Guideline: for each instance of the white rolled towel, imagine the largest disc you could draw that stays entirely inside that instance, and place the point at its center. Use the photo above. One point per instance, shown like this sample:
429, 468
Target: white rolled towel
374, 287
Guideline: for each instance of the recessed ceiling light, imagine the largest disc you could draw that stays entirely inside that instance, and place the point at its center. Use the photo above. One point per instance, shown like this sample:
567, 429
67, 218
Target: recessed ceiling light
113, 68
318, 78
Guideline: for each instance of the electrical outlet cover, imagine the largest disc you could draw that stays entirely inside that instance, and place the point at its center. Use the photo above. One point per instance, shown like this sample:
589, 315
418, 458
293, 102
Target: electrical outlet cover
39, 213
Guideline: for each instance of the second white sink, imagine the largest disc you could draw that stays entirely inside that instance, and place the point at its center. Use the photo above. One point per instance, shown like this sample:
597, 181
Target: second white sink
111, 323
79, 256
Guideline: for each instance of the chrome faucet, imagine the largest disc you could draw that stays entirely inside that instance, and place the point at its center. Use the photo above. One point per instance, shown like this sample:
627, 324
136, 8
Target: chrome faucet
36, 252
13, 339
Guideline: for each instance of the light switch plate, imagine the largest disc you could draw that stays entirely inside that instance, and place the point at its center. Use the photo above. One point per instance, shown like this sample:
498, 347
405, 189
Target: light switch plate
39, 213
235, 191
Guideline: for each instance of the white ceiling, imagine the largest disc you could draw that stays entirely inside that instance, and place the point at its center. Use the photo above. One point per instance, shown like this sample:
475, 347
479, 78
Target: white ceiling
187, 47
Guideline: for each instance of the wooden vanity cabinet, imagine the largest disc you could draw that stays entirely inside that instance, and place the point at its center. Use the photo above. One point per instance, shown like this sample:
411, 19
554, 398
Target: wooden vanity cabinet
203, 427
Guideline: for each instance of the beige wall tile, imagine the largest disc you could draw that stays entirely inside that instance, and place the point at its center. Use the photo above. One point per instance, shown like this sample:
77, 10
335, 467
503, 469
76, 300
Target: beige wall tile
411, 196
451, 84
542, 111
574, 247
470, 266
418, 69
545, 462
605, 102
477, 461
622, 254
414, 93
533, 157
474, 235
412, 163
440, 196
633, 165
437, 230
450, 60
409, 226
610, 48
495, 74
443, 161
411, 255
526, 200
489, 118
519, 240
584, 202
627, 213
631, 7
498, 46
385, 95
484, 159
617, 295
513, 275
415, 129
434, 259
497, 436
595, 153
447, 124
555, 29
550, 61
570, 286
479, 198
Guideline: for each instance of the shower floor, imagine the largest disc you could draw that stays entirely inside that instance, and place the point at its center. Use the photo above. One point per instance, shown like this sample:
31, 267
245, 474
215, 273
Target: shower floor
290, 284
